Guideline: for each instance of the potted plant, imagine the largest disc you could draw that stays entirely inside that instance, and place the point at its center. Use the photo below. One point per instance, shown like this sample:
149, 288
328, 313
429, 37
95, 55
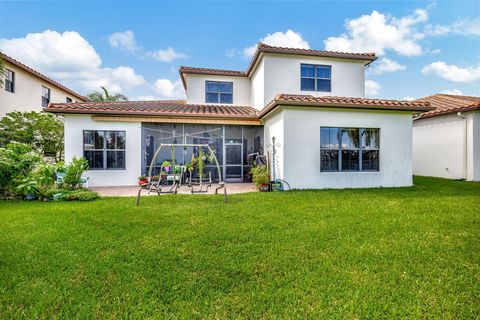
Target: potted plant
142, 180
261, 177
166, 166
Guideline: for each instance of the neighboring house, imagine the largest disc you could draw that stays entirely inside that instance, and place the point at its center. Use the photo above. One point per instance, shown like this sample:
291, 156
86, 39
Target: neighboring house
25, 89
446, 140
295, 95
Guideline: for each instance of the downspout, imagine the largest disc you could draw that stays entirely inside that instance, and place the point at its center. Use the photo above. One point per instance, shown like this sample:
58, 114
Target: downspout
465, 146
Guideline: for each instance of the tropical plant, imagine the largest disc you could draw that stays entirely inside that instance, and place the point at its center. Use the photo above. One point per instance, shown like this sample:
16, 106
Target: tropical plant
16, 162
73, 173
260, 175
105, 96
43, 131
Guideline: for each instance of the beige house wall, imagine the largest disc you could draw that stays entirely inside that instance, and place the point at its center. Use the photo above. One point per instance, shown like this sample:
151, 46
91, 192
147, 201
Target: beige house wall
28, 92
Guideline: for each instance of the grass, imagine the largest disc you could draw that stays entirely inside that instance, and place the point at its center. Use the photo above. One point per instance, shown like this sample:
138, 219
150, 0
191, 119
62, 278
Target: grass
378, 253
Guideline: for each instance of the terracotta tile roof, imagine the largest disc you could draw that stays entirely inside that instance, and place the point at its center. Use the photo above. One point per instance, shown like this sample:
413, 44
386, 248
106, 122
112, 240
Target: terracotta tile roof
448, 104
344, 102
41, 76
155, 108
185, 69
263, 48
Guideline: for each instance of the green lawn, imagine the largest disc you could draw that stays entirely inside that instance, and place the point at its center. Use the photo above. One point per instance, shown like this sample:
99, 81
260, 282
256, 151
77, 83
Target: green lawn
377, 253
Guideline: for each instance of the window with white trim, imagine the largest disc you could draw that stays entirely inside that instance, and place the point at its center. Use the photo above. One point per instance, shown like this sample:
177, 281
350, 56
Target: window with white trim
315, 77
10, 81
104, 150
45, 96
218, 92
349, 149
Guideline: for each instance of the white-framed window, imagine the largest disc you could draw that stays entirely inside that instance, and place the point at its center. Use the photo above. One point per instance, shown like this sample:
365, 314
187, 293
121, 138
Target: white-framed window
45, 96
10, 81
104, 150
218, 92
349, 149
315, 77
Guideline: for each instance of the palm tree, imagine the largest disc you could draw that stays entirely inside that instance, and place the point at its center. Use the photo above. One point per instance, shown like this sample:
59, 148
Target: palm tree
105, 96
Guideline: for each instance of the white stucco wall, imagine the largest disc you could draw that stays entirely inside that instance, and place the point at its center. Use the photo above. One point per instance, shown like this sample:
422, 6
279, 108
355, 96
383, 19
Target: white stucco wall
301, 147
282, 75
274, 127
28, 93
258, 86
74, 126
473, 171
196, 88
438, 147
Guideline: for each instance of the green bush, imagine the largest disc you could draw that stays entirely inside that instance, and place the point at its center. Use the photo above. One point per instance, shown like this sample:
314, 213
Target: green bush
16, 162
79, 195
73, 173
260, 175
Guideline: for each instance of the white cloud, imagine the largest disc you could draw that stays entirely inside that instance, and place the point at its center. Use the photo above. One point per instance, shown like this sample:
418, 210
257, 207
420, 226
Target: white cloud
147, 98
167, 55
385, 65
378, 32
452, 72
290, 39
465, 27
408, 98
372, 88
123, 40
168, 89
70, 59
435, 51
453, 91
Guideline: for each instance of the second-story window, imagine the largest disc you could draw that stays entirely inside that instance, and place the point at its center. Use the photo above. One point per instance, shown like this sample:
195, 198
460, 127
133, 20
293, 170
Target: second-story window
10, 81
45, 96
69, 100
218, 92
316, 77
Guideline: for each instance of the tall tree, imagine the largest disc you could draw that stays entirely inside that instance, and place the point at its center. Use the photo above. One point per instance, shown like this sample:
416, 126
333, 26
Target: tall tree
105, 96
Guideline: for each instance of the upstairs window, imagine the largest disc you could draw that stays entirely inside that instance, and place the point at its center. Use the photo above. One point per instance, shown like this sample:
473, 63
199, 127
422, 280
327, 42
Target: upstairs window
69, 100
349, 149
45, 96
10, 81
104, 150
218, 92
316, 77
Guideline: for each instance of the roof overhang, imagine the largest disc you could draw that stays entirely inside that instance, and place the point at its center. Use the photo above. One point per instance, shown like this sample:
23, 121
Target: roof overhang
343, 103
37, 74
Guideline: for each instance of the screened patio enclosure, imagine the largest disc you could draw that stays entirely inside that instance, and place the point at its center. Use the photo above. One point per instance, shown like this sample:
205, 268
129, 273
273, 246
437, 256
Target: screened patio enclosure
231, 144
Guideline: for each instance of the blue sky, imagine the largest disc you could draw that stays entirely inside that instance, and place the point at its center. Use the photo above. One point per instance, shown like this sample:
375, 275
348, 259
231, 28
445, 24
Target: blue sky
136, 47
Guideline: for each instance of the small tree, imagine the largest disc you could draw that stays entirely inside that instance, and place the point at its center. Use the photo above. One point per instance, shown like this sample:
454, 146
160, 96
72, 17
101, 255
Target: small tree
105, 96
43, 131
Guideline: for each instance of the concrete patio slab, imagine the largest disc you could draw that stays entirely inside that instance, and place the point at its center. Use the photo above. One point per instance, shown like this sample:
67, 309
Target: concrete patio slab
131, 191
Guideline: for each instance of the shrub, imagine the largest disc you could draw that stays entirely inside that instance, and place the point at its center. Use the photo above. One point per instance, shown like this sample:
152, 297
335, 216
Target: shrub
260, 175
16, 162
79, 195
73, 173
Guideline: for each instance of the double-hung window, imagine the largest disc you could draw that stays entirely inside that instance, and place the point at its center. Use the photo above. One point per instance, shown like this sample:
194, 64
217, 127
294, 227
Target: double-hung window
45, 96
315, 77
104, 150
349, 149
218, 92
10, 81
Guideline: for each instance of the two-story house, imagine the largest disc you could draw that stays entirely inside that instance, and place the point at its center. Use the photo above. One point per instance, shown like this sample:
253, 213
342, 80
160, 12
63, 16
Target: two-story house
25, 89
327, 134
